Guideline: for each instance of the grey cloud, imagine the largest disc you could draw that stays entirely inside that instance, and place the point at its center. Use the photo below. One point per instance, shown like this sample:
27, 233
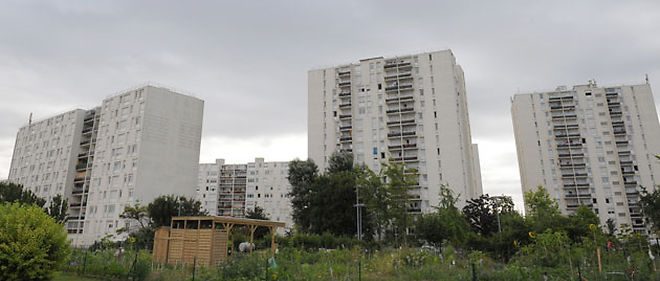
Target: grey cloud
249, 59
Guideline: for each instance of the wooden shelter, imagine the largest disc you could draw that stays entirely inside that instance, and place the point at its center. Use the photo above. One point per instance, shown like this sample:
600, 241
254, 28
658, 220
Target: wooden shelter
204, 239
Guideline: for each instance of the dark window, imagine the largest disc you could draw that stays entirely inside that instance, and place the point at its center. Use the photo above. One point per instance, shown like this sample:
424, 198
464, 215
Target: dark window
335, 113
587, 93
380, 86
430, 57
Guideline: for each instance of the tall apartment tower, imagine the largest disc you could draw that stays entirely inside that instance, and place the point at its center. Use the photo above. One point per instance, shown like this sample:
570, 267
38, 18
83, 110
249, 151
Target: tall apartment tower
45, 161
590, 146
410, 109
233, 189
134, 147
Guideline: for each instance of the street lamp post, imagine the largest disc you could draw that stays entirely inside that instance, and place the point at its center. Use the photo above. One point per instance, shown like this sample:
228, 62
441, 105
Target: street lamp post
358, 205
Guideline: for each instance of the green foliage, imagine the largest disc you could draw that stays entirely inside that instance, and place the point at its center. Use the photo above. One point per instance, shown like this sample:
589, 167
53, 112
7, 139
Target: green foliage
32, 244
57, 209
399, 181
11, 192
446, 223
258, 214
136, 214
302, 175
650, 202
542, 211
164, 207
111, 263
483, 212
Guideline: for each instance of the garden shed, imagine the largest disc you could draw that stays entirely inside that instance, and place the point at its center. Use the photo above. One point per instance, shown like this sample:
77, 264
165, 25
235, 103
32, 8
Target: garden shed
203, 239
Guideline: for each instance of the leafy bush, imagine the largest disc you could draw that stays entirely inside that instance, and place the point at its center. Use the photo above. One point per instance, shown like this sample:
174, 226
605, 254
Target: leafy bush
108, 263
32, 244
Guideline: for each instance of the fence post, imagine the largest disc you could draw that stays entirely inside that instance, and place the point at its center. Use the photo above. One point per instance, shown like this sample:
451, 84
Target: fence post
85, 261
474, 272
194, 267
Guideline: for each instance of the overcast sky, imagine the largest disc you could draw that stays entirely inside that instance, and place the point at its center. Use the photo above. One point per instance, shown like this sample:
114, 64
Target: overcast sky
248, 60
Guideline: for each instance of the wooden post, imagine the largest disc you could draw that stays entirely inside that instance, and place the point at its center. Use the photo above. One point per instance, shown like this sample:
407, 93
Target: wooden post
228, 227
600, 266
252, 229
183, 242
272, 240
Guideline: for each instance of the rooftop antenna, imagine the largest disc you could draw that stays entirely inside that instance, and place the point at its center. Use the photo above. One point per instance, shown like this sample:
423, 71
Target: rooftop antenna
30, 119
646, 76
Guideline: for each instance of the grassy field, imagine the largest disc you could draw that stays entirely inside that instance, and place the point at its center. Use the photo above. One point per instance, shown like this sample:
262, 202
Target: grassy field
64, 276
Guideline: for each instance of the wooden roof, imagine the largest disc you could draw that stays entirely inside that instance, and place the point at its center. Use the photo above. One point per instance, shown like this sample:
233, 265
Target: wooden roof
232, 220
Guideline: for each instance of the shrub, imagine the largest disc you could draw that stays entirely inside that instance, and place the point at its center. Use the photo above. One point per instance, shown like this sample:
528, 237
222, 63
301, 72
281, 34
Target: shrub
32, 244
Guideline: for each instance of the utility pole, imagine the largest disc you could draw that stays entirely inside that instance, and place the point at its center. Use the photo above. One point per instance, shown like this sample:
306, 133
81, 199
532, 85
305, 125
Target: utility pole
358, 205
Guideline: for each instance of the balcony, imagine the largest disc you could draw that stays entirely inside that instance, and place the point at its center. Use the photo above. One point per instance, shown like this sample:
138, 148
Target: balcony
401, 98
345, 116
344, 84
566, 115
402, 122
87, 130
404, 146
80, 191
574, 144
345, 105
399, 134
85, 142
403, 75
345, 139
80, 179
343, 73
78, 205
569, 165
576, 175
344, 93
346, 128
615, 113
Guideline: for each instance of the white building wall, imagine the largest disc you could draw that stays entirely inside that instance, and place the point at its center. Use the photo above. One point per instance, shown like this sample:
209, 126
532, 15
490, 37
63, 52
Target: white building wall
268, 188
441, 146
147, 146
615, 129
45, 154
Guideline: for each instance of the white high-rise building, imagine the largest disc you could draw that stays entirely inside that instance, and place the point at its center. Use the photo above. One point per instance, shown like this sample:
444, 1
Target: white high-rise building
410, 109
134, 147
233, 189
590, 146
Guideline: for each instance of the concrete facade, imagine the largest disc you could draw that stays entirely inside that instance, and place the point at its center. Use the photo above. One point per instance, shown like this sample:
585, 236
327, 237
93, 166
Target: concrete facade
590, 146
233, 189
410, 109
134, 147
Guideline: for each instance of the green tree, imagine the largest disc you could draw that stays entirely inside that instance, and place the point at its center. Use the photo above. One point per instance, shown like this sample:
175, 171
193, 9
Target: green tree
258, 213
164, 207
542, 211
577, 224
650, 203
11, 192
375, 197
399, 181
301, 176
137, 214
483, 213
447, 223
57, 209
32, 244
333, 200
